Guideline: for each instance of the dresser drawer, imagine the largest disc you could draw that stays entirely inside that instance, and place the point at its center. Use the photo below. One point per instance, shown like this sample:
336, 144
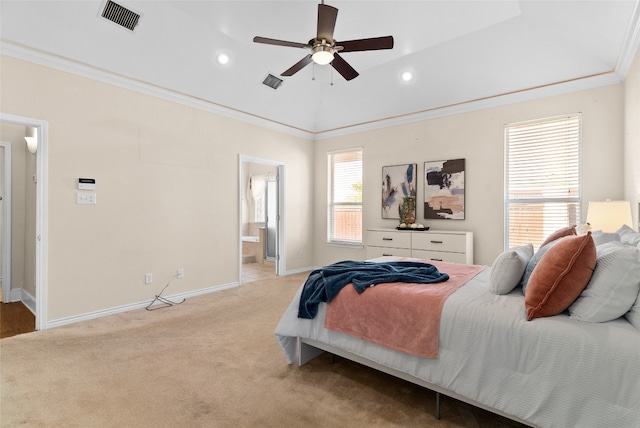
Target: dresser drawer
393, 239
456, 243
374, 252
440, 256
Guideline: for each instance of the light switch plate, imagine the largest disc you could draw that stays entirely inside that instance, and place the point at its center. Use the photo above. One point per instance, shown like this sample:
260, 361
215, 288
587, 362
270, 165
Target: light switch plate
84, 198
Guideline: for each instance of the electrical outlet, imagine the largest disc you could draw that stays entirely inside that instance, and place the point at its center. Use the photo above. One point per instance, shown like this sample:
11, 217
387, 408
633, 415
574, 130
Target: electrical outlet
301, 254
148, 278
180, 274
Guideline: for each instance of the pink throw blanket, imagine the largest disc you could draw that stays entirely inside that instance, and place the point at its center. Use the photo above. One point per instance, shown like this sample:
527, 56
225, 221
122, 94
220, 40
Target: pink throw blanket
400, 316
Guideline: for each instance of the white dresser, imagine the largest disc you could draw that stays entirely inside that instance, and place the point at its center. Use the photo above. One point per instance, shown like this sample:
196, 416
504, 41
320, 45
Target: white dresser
441, 245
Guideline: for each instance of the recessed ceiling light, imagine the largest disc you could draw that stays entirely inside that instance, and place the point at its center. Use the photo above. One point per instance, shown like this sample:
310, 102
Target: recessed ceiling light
407, 76
222, 58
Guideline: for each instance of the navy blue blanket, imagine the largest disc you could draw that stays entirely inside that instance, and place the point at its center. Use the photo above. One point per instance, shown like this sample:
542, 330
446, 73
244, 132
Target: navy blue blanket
324, 284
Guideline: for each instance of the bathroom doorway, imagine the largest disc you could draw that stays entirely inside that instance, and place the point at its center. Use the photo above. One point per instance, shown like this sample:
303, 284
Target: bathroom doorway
5, 222
260, 218
27, 280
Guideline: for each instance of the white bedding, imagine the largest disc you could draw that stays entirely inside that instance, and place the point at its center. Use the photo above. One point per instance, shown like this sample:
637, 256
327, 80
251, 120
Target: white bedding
550, 372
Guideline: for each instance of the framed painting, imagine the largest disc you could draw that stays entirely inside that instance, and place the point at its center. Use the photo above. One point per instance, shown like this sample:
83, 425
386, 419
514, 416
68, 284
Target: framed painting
444, 189
398, 182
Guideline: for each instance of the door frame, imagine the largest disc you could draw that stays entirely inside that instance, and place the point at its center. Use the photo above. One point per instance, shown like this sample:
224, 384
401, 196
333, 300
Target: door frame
42, 235
6, 222
267, 202
280, 238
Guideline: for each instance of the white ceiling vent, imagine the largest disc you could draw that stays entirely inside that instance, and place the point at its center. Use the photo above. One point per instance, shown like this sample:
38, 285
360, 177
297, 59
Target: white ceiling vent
120, 15
272, 81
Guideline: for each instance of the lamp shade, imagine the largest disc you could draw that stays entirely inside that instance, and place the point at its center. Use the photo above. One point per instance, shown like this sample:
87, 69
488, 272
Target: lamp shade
31, 137
609, 216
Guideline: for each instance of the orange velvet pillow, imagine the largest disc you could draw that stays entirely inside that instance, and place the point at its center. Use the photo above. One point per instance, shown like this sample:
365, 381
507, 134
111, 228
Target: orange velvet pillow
565, 231
560, 276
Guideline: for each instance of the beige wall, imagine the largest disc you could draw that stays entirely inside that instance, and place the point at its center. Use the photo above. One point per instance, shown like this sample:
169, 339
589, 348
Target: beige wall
632, 138
479, 138
167, 189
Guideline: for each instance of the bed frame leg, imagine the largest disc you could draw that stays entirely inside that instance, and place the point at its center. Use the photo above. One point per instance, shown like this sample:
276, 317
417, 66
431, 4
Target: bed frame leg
307, 353
437, 405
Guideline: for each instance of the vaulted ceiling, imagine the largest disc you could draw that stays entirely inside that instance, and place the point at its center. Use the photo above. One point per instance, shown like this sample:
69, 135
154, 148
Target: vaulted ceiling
461, 53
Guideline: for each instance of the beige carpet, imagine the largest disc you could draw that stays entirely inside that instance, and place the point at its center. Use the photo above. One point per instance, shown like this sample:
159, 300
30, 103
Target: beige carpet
210, 362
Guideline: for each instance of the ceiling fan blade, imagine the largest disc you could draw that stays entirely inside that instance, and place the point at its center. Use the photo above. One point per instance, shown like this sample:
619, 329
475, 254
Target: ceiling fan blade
298, 66
343, 67
268, 41
372, 44
327, 16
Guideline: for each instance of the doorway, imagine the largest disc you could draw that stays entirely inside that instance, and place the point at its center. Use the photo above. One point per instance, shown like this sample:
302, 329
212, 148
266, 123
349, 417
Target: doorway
33, 294
260, 234
5, 224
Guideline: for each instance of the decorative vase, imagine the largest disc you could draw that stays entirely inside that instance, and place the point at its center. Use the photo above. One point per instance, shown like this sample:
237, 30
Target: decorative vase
408, 211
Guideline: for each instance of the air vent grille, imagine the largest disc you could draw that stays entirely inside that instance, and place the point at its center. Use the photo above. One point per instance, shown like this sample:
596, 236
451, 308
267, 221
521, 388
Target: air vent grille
120, 15
272, 81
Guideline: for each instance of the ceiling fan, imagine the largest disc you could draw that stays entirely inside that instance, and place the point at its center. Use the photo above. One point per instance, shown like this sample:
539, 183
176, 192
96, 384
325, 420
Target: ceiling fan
324, 49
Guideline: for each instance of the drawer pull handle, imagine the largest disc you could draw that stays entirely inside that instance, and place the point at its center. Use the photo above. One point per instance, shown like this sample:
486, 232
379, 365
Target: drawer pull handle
387, 254
387, 239
437, 260
436, 242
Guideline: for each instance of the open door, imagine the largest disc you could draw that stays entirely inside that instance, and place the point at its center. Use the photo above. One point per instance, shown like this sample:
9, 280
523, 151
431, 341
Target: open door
260, 218
271, 238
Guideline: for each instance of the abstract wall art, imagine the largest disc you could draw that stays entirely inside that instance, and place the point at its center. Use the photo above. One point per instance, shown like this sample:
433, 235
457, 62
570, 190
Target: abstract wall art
444, 189
398, 182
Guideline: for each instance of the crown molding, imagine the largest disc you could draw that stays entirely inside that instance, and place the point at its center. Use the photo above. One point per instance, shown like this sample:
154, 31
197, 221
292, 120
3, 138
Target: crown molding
631, 43
74, 67
558, 88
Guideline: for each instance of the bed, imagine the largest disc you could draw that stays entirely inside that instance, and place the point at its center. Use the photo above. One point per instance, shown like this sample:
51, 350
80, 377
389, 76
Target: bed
551, 371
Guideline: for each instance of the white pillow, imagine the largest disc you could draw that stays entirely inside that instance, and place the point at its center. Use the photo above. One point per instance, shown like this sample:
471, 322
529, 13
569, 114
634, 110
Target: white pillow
633, 316
613, 287
508, 267
628, 235
599, 237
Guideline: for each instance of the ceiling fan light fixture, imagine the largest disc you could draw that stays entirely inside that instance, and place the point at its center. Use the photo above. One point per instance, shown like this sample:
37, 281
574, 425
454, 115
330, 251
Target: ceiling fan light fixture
322, 54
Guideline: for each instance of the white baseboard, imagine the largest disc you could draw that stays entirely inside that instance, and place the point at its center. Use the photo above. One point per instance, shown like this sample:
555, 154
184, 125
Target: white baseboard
29, 301
301, 270
125, 308
15, 295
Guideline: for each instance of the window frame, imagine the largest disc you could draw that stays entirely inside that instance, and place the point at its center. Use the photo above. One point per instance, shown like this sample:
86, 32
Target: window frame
331, 204
575, 201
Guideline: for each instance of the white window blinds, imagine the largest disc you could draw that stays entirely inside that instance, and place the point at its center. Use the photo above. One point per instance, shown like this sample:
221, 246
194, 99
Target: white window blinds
542, 178
345, 197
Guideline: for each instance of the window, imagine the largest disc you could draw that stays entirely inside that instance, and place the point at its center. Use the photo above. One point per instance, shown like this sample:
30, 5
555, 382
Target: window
345, 197
542, 178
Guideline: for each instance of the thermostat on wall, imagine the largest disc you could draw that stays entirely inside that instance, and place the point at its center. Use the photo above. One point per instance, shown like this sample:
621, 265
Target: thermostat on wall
86, 183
